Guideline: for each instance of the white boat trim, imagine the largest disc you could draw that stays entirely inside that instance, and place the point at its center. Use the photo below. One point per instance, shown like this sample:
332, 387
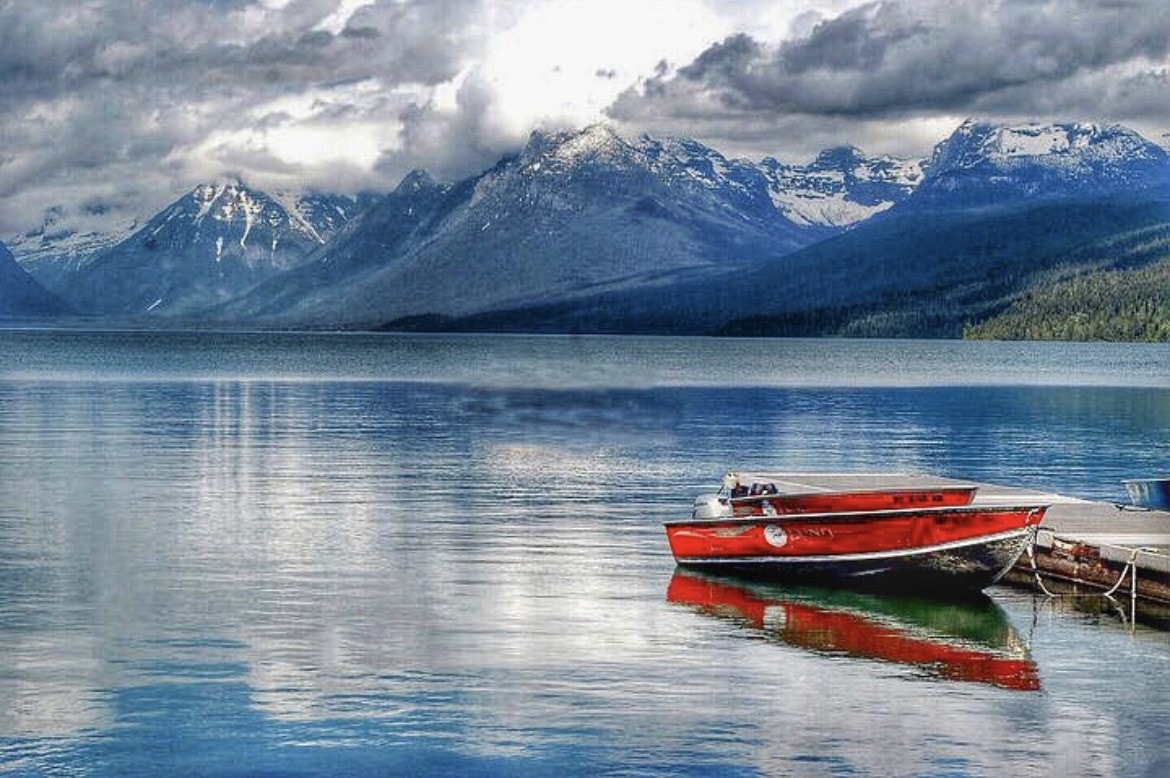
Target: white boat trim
858, 557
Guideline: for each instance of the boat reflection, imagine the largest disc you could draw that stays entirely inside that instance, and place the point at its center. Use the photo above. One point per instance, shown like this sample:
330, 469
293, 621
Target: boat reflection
960, 640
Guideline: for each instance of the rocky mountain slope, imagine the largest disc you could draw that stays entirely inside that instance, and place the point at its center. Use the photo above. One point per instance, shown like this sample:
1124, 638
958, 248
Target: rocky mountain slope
209, 246
21, 297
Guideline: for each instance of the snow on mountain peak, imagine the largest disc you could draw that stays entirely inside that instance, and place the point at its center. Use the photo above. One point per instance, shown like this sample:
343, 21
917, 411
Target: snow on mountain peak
560, 150
688, 162
592, 138
841, 187
231, 202
213, 243
1071, 146
989, 164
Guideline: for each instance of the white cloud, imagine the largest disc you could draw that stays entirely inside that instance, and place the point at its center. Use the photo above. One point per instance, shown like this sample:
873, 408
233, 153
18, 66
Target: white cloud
336, 21
564, 62
154, 96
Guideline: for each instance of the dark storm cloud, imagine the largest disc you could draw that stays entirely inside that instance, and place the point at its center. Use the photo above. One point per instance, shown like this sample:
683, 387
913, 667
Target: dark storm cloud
47, 48
96, 90
902, 58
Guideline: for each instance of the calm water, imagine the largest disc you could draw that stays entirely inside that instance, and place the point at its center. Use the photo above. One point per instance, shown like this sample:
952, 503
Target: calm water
283, 554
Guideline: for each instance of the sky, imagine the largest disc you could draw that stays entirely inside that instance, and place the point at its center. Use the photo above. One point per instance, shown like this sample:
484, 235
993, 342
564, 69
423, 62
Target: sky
110, 109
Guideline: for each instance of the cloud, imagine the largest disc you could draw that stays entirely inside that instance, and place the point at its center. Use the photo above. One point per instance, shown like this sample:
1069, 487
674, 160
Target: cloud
900, 61
338, 95
132, 104
160, 94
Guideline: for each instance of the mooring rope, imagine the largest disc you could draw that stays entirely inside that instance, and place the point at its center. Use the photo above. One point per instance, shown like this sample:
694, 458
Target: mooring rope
1130, 565
1036, 571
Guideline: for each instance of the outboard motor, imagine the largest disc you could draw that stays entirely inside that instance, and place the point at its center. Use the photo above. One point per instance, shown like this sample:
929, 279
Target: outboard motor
711, 506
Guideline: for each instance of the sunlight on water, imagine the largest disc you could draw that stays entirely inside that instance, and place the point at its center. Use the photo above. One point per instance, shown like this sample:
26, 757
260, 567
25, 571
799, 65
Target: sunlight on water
451, 560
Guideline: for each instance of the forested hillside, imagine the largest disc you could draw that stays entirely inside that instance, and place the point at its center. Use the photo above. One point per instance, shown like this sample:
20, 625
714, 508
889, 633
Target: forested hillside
937, 274
1112, 305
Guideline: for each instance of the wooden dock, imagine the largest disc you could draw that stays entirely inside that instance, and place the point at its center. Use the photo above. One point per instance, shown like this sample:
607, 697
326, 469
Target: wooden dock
1082, 545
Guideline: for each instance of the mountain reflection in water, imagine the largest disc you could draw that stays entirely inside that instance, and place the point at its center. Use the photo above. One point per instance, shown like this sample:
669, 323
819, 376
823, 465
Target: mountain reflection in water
962, 640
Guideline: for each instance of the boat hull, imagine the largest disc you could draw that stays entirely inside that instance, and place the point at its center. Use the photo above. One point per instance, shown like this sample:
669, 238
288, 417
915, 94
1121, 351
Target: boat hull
967, 548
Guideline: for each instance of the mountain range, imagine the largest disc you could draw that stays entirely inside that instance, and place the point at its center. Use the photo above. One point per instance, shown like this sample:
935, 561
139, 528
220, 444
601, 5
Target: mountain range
571, 216
587, 231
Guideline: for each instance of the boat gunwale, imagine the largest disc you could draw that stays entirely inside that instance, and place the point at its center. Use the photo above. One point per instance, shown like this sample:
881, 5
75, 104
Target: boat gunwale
862, 515
855, 493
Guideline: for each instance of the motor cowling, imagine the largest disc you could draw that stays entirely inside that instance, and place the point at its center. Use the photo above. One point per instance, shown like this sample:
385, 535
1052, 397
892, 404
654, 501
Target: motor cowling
711, 506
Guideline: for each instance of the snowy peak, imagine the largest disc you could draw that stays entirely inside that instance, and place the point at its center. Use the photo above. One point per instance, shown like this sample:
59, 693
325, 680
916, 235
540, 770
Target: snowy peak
1072, 145
228, 219
990, 161
250, 213
555, 169
570, 145
599, 147
210, 245
841, 187
687, 161
557, 153
207, 196
857, 168
843, 158
598, 140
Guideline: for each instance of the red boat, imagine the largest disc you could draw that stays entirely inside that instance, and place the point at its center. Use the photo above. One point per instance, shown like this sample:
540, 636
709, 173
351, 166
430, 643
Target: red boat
956, 547
968, 640
759, 495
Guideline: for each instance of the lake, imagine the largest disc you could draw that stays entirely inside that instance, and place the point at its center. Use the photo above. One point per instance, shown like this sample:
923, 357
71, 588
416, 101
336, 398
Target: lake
283, 554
